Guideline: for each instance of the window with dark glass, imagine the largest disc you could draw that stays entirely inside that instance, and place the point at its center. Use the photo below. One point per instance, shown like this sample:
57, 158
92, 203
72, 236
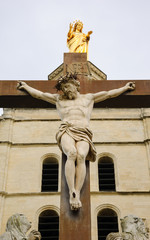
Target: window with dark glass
106, 174
107, 222
49, 225
50, 175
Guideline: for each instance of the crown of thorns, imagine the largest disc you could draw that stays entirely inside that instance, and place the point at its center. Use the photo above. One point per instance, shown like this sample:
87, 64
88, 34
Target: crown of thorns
68, 78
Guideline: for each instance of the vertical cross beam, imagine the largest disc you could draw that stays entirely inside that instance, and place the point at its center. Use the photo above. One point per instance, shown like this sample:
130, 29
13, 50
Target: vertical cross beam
75, 225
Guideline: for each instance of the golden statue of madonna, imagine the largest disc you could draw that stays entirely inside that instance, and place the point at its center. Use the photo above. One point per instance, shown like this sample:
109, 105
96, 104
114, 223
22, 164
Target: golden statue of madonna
77, 41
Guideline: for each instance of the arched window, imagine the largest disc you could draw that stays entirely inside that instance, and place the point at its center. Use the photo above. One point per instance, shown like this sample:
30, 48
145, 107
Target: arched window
107, 222
106, 174
50, 175
49, 225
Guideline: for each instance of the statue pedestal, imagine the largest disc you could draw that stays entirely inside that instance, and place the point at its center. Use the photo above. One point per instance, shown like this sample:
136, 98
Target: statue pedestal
75, 225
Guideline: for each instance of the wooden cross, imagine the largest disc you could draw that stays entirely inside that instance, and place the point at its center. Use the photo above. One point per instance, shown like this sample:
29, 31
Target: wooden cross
76, 224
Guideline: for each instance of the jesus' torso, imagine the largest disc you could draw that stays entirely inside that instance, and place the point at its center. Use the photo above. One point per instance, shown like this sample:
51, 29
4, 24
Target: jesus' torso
76, 111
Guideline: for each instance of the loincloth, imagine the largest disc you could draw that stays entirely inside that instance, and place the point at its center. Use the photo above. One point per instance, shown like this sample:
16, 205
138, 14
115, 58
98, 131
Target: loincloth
78, 134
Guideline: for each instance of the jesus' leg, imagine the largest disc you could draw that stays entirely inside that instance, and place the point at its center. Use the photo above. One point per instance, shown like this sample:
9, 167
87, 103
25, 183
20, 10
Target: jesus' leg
68, 147
82, 151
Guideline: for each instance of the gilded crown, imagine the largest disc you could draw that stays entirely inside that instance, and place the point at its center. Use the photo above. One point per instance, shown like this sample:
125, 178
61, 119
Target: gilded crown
75, 23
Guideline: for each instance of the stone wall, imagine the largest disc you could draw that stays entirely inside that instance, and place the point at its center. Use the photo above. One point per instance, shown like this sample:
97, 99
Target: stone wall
27, 137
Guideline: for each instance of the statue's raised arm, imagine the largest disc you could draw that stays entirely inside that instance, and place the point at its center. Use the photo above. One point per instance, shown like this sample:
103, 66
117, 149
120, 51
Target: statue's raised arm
101, 96
48, 97
70, 33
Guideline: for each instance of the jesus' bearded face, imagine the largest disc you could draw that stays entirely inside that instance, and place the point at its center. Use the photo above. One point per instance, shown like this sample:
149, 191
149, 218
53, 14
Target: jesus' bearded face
69, 90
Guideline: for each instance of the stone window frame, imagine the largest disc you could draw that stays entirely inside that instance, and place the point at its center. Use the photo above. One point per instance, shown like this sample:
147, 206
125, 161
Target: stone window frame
99, 209
42, 209
48, 224
43, 158
114, 159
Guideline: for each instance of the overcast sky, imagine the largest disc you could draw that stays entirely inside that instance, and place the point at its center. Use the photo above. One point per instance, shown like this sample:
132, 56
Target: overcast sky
33, 36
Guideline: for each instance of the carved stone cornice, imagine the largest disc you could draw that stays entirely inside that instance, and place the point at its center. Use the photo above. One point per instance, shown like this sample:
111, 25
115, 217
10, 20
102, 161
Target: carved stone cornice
93, 72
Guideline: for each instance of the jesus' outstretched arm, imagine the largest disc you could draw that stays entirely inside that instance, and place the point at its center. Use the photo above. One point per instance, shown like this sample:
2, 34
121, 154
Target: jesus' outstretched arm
101, 96
48, 97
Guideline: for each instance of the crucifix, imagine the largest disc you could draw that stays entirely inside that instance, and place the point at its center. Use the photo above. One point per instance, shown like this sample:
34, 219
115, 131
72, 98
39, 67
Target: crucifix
74, 136
75, 224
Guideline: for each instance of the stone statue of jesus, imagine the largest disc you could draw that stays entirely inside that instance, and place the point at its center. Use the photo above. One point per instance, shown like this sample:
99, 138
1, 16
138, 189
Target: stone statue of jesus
74, 136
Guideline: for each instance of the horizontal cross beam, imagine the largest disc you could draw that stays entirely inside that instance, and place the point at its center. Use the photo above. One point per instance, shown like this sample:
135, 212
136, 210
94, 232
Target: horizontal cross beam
10, 97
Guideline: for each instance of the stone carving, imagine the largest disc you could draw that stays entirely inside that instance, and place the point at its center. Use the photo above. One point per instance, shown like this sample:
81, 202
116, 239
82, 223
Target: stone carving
133, 228
17, 227
76, 40
74, 136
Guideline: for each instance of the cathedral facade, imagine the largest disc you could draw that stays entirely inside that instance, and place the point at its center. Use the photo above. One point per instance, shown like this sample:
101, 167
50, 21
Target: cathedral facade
119, 179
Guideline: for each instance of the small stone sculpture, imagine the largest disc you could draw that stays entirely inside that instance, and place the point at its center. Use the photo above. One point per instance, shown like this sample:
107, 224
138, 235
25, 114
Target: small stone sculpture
133, 228
17, 227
